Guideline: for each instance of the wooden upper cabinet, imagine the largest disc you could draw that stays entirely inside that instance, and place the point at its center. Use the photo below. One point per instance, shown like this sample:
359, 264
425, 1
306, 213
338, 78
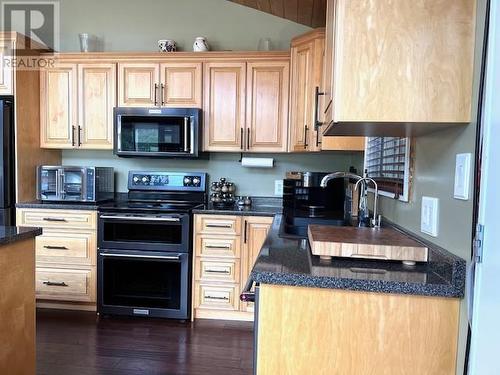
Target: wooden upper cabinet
58, 106
302, 94
138, 84
76, 105
402, 62
181, 84
267, 106
6, 70
96, 99
224, 105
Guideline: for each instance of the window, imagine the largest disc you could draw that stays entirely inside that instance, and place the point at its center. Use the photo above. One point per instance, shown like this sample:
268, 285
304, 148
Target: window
387, 161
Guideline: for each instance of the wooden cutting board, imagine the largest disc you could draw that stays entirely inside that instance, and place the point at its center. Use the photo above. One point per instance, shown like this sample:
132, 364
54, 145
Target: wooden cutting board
367, 243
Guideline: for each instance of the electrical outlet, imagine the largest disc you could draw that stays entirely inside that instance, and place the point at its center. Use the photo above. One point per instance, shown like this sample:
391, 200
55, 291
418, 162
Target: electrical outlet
462, 176
429, 216
278, 187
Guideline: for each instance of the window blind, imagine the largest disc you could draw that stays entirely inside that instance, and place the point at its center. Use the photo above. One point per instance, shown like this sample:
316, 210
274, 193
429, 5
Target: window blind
385, 162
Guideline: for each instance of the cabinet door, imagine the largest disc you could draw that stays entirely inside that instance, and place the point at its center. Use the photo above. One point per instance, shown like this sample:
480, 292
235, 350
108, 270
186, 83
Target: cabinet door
58, 106
254, 234
224, 105
403, 61
6, 70
326, 106
138, 84
96, 99
267, 106
181, 84
302, 100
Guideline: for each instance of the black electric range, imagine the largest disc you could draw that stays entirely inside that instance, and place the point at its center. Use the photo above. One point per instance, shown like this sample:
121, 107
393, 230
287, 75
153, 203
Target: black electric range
145, 246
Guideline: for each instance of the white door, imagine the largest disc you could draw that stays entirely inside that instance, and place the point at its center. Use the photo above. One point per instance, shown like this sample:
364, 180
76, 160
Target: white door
485, 339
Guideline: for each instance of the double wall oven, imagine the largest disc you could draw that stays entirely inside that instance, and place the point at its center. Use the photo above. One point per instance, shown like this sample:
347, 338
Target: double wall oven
145, 247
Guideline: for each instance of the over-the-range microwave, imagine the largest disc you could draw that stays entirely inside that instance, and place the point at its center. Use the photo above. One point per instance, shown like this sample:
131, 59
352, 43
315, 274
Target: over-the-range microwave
157, 132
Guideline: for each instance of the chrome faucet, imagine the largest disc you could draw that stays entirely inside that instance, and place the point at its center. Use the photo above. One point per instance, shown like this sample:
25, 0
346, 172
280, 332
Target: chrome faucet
375, 222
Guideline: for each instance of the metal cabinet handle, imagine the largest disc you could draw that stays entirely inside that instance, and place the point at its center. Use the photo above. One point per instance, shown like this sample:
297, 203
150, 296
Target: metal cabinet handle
227, 226
217, 298
73, 129
186, 130
248, 139
242, 146
306, 129
79, 135
57, 219
162, 93
50, 283
245, 232
218, 271
317, 123
218, 247
50, 247
156, 94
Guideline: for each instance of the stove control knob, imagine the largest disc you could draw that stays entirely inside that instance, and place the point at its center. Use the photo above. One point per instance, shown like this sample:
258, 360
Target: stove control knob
196, 181
187, 181
135, 179
145, 179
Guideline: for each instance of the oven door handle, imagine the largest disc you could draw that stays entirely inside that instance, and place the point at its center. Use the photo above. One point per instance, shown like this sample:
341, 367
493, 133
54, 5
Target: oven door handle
166, 257
139, 218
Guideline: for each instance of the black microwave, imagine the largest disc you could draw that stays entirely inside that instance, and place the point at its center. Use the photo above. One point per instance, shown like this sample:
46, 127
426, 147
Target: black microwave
157, 132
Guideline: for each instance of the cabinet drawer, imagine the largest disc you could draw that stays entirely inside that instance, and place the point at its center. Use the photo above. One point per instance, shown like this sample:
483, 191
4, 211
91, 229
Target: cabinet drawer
218, 224
217, 246
217, 270
73, 247
217, 297
57, 218
65, 284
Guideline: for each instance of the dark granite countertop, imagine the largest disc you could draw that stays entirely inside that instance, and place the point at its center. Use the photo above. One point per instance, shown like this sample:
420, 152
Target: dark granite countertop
288, 261
59, 205
13, 234
261, 206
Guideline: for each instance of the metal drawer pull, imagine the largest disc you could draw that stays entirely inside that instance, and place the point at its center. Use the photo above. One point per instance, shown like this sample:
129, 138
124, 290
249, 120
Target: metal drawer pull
217, 298
218, 247
54, 219
173, 257
227, 226
220, 271
140, 218
50, 283
50, 247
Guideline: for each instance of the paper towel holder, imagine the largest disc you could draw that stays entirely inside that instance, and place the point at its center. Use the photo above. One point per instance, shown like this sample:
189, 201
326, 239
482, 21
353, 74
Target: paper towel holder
253, 162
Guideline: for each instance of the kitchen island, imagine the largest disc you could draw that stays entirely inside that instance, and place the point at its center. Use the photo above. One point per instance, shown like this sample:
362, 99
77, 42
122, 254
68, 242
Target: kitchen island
17, 299
349, 316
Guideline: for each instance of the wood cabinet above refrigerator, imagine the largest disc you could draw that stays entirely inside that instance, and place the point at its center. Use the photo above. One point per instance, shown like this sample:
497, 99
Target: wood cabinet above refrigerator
399, 68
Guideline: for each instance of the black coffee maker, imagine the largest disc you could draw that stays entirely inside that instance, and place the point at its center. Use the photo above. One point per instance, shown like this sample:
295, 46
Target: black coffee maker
306, 202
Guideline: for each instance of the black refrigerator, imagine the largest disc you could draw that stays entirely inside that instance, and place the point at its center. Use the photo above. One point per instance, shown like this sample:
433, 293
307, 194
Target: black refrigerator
7, 158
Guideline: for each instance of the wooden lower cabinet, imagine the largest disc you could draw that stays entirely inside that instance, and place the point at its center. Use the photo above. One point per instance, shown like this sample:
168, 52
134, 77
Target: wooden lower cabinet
66, 257
225, 250
337, 332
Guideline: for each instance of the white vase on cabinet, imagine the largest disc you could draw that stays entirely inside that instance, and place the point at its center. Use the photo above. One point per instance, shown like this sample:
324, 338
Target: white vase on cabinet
200, 44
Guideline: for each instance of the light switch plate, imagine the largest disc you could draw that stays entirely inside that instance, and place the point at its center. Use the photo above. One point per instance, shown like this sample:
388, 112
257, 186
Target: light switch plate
430, 216
462, 176
278, 188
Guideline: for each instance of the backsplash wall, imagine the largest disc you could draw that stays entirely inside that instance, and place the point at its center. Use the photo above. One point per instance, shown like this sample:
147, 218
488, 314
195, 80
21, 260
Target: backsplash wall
249, 181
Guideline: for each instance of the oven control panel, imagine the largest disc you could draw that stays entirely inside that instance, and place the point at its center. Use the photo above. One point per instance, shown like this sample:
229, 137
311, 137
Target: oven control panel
166, 181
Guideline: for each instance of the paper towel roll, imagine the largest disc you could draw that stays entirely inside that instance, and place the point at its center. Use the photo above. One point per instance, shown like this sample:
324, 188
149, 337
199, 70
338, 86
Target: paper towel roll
257, 162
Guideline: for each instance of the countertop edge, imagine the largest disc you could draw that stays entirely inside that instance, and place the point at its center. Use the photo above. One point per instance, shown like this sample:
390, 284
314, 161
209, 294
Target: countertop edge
25, 234
448, 263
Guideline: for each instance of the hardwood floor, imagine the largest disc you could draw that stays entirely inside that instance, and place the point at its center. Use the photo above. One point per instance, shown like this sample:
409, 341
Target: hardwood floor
74, 343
